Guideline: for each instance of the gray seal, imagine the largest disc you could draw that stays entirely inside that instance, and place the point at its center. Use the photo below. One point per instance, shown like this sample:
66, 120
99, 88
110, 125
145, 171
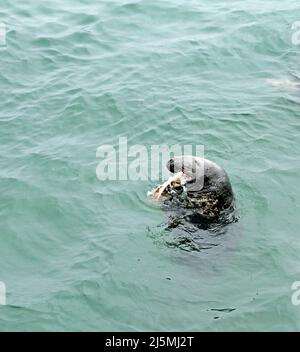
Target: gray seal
209, 191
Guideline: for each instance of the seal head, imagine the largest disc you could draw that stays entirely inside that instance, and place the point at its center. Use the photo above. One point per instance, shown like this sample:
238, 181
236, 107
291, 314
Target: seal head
209, 190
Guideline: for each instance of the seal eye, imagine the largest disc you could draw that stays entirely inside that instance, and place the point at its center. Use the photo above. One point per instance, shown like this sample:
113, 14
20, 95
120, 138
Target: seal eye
170, 165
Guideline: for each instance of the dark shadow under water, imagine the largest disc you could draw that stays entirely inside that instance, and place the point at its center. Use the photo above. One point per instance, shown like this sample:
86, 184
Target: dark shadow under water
187, 232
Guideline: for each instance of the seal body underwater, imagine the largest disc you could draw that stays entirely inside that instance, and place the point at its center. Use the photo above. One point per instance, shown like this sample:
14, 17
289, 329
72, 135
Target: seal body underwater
209, 191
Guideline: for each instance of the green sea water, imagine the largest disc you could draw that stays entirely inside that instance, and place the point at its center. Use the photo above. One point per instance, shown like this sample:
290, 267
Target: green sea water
79, 254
